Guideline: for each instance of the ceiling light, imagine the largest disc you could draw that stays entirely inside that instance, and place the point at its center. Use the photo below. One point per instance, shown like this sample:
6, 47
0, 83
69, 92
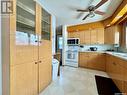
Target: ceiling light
92, 14
108, 25
119, 16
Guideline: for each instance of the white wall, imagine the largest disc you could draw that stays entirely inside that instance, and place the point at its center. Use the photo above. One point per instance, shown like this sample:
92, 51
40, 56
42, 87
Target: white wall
53, 35
64, 32
0, 60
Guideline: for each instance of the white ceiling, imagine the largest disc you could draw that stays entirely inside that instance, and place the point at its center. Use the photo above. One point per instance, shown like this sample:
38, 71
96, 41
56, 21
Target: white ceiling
65, 10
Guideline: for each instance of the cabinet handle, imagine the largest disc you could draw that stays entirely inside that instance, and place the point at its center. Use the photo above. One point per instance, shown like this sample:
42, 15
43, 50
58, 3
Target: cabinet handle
114, 63
36, 62
40, 61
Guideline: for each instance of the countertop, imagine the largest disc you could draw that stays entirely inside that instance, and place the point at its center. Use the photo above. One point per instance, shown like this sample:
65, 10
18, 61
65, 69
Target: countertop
119, 55
92, 51
116, 54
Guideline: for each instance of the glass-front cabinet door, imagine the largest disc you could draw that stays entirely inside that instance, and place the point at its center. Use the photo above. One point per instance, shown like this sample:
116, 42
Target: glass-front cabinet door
25, 21
46, 25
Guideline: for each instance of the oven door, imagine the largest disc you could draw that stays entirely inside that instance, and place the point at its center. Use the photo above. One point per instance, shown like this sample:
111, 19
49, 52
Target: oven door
72, 56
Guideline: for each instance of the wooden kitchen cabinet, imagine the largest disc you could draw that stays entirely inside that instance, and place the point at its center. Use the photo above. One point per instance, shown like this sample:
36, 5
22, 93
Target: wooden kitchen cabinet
24, 79
112, 34
116, 71
92, 60
83, 60
74, 34
97, 61
30, 49
82, 37
44, 51
124, 68
125, 80
91, 36
100, 36
87, 37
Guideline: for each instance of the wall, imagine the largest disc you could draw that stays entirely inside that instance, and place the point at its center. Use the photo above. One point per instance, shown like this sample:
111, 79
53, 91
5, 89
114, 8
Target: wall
0, 60
100, 47
64, 32
5, 54
53, 35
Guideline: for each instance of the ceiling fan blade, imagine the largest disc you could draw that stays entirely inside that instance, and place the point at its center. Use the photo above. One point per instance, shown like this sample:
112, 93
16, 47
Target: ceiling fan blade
82, 10
101, 3
86, 17
100, 13
79, 15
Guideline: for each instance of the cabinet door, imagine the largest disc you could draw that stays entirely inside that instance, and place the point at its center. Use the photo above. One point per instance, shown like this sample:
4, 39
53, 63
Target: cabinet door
45, 56
82, 37
118, 73
87, 37
24, 79
125, 80
112, 35
96, 61
100, 36
45, 70
108, 64
124, 68
101, 63
71, 34
93, 36
109, 36
83, 59
45, 25
93, 59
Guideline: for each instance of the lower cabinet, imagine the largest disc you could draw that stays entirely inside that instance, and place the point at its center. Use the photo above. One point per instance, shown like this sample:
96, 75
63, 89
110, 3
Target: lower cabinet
23, 79
83, 59
45, 74
92, 60
116, 68
125, 81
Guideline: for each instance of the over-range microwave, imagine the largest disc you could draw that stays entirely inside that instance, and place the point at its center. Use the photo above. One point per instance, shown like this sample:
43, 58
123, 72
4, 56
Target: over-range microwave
73, 41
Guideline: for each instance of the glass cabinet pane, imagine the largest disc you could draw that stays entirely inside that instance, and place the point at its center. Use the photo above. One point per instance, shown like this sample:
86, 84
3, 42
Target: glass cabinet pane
25, 18
46, 25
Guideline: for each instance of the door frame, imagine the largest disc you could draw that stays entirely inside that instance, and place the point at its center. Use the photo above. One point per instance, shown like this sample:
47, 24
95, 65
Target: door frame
5, 54
0, 59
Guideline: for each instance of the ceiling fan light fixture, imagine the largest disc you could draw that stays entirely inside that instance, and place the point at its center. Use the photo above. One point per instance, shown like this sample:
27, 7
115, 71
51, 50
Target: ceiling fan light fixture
92, 15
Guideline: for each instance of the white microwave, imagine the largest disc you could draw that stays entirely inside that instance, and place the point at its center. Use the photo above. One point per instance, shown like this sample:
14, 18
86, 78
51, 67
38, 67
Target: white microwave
73, 41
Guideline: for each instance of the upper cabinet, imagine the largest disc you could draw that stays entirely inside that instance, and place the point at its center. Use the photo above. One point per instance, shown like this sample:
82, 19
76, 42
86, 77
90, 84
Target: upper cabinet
91, 36
45, 25
112, 35
25, 18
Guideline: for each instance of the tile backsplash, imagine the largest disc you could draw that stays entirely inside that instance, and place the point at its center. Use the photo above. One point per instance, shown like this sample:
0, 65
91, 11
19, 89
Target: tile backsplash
99, 47
121, 49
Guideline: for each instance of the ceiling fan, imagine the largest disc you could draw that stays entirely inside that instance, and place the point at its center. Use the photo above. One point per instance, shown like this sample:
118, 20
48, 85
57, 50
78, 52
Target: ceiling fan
92, 10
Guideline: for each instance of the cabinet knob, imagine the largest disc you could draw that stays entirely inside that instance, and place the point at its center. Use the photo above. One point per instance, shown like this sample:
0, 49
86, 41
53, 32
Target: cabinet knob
36, 62
114, 63
40, 61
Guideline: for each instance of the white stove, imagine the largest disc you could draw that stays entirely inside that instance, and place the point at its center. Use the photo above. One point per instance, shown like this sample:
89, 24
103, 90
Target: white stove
72, 56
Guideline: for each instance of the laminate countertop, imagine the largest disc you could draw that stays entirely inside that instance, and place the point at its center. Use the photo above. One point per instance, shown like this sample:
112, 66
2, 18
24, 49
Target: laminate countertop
120, 55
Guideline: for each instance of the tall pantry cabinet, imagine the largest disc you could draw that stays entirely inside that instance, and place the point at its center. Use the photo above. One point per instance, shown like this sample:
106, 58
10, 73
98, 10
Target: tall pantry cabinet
30, 48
